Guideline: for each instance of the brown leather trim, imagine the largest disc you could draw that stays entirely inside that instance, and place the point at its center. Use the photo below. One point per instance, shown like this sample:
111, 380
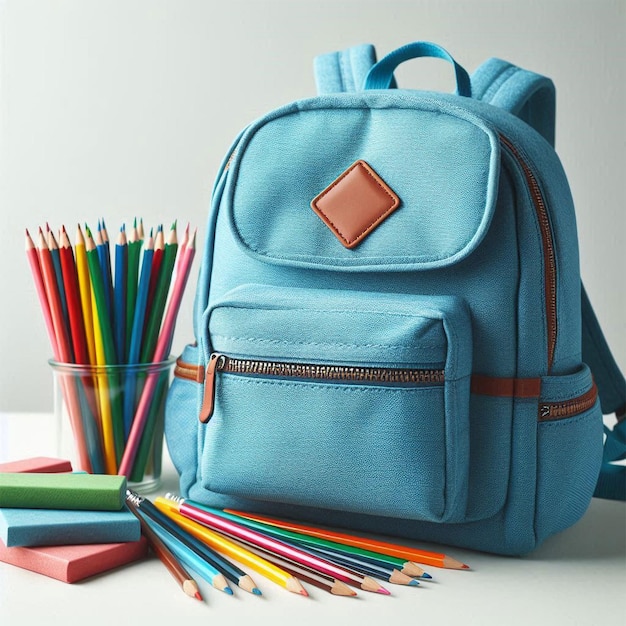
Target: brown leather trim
188, 371
354, 204
506, 387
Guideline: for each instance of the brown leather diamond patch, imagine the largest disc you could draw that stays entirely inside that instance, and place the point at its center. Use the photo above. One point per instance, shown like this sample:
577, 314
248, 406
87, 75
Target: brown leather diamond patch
355, 204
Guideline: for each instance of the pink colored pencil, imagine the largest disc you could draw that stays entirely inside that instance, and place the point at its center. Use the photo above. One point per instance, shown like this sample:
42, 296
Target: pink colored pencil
161, 351
33, 260
232, 529
64, 350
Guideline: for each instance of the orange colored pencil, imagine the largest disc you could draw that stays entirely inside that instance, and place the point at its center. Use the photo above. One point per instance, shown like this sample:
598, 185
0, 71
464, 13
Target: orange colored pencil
436, 559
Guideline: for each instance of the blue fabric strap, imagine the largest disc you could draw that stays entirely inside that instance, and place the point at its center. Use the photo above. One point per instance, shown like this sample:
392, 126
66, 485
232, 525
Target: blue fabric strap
345, 70
529, 96
612, 391
380, 75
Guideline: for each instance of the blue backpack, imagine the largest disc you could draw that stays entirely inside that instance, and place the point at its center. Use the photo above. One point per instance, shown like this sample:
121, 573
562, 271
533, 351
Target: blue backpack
391, 332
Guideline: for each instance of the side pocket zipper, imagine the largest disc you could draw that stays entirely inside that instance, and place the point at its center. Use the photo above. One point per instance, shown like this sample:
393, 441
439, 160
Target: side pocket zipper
568, 408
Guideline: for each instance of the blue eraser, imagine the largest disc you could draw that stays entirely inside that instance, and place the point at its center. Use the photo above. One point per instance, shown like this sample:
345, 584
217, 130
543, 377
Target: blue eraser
55, 527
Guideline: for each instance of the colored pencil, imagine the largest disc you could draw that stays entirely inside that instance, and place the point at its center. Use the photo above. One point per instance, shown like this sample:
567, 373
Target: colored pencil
231, 571
64, 349
159, 249
187, 556
210, 518
167, 557
137, 333
331, 552
53, 246
101, 241
84, 284
201, 549
52, 295
119, 293
33, 260
159, 299
85, 390
377, 569
134, 257
305, 574
229, 547
387, 563
388, 574
435, 559
74, 307
161, 352
111, 406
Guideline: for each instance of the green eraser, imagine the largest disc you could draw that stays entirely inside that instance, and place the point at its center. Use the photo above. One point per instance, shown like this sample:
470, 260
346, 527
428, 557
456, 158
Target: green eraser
92, 492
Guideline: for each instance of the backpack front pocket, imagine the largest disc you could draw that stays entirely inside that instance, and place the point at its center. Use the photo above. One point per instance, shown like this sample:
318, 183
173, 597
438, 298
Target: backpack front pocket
348, 401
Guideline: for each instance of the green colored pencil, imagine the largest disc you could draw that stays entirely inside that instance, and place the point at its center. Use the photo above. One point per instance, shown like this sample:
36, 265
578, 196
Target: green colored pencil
155, 317
375, 558
108, 343
134, 255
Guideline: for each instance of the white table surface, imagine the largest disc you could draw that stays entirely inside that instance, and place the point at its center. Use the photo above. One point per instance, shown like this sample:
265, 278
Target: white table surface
576, 577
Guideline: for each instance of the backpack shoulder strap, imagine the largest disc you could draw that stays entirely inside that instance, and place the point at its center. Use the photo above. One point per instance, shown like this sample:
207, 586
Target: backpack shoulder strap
344, 70
612, 391
529, 96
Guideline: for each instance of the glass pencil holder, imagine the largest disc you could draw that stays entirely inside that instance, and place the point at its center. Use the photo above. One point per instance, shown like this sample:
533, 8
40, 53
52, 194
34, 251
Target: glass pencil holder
110, 418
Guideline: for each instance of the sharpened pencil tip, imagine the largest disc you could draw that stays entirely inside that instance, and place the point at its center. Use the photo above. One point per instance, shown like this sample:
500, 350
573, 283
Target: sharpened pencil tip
464, 566
384, 591
228, 590
426, 576
257, 592
413, 583
303, 592
197, 596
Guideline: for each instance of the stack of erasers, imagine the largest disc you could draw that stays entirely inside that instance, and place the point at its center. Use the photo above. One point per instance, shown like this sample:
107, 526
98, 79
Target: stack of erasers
65, 525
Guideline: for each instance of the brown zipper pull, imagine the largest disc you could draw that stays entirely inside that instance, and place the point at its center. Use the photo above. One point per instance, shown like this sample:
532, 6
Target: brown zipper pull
216, 361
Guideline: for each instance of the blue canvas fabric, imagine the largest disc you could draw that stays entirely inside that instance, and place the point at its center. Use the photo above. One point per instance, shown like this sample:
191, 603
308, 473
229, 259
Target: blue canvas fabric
472, 284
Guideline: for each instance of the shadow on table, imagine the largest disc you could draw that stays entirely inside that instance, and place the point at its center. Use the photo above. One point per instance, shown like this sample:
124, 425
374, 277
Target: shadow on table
600, 534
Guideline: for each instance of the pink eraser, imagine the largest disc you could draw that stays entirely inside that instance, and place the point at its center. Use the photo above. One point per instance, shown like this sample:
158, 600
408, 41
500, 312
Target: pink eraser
37, 464
73, 563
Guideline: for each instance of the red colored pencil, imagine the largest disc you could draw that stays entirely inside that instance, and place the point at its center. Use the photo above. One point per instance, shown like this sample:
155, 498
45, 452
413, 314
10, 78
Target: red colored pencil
72, 293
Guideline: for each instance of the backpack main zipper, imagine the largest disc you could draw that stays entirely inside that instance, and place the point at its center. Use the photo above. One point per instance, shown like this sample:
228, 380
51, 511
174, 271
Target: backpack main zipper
311, 372
549, 256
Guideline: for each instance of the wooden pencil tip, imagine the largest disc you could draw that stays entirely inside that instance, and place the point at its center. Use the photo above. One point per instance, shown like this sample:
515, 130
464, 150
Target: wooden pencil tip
369, 584
341, 589
293, 585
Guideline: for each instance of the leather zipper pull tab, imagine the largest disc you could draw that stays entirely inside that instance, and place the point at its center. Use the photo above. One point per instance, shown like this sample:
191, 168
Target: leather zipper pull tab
216, 362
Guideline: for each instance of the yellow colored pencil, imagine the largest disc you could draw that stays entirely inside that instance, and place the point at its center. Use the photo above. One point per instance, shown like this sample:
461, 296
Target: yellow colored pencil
225, 546
84, 283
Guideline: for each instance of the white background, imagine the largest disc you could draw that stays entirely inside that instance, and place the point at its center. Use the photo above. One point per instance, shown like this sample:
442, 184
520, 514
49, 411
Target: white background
124, 108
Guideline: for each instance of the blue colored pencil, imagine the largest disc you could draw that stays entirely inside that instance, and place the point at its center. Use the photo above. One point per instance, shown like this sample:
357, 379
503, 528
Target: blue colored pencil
137, 332
55, 255
185, 555
169, 530
104, 258
119, 292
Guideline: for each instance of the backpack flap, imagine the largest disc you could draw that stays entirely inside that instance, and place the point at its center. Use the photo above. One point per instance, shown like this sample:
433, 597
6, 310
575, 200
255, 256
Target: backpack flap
364, 182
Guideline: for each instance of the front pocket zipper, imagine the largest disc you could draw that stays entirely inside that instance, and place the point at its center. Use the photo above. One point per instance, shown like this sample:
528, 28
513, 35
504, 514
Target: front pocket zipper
312, 371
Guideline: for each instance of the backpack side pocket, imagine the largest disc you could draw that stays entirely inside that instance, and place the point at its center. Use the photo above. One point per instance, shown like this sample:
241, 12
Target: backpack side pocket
569, 450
